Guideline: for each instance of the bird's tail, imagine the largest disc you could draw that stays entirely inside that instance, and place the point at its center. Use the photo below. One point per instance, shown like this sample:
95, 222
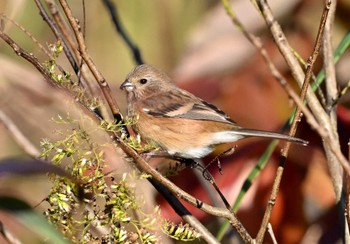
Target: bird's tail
266, 134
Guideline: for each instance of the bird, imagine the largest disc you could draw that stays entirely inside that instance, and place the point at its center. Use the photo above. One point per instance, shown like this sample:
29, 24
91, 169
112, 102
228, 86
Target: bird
180, 123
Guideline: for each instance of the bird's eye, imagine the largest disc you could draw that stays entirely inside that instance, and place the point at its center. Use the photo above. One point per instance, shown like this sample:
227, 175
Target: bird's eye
143, 81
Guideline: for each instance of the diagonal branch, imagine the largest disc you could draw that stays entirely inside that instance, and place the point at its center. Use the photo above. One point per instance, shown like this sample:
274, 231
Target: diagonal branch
106, 90
57, 34
219, 212
18, 136
120, 29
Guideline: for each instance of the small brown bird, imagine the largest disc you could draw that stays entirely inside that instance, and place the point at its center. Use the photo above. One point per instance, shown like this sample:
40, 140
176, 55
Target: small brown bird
177, 121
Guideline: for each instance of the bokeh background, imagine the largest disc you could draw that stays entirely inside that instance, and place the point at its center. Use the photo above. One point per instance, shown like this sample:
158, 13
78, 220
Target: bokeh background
197, 44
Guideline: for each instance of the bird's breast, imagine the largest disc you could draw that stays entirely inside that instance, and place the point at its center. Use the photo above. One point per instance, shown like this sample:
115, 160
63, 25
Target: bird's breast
178, 136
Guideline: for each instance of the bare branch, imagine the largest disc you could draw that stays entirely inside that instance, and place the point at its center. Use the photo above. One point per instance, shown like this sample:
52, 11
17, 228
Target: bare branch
42, 48
27, 56
8, 235
270, 230
18, 136
56, 32
87, 58
325, 133
316, 108
67, 35
219, 212
332, 93
118, 26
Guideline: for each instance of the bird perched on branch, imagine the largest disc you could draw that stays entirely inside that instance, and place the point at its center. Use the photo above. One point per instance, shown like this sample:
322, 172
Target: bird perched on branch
177, 121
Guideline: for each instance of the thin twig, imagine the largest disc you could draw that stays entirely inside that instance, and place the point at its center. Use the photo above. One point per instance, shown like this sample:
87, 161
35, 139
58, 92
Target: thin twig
24, 30
65, 34
322, 131
18, 136
208, 177
106, 90
205, 234
270, 230
315, 106
283, 82
57, 34
206, 186
119, 27
339, 181
305, 87
84, 18
347, 194
291, 60
281, 41
8, 235
182, 211
219, 212
332, 93
63, 28
27, 56
258, 44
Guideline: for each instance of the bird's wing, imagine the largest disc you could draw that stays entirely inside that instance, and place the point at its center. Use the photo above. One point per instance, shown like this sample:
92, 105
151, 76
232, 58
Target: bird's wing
181, 104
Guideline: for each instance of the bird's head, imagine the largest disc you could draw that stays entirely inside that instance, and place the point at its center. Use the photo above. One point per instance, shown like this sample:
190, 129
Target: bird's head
145, 80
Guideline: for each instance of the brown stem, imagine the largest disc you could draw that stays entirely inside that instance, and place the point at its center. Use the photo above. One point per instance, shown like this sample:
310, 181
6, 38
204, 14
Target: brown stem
18, 136
219, 212
281, 38
88, 60
347, 194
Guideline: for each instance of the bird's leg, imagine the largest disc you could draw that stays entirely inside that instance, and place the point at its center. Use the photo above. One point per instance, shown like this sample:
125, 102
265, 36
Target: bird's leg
194, 164
208, 177
228, 152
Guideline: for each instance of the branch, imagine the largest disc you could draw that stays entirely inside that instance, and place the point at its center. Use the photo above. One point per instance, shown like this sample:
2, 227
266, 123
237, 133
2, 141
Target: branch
219, 212
315, 106
18, 136
57, 34
67, 35
88, 60
325, 134
182, 211
119, 28
332, 93
63, 33
27, 56
289, 90
8, 235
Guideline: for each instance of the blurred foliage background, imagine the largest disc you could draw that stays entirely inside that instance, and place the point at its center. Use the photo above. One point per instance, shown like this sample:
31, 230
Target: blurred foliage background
196, 43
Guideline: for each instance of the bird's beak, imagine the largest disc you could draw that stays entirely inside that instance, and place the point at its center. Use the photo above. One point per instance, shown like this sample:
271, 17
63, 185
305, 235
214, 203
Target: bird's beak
127, 85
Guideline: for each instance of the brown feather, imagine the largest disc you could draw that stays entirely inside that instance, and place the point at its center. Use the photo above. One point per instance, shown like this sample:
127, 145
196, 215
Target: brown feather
178, 121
